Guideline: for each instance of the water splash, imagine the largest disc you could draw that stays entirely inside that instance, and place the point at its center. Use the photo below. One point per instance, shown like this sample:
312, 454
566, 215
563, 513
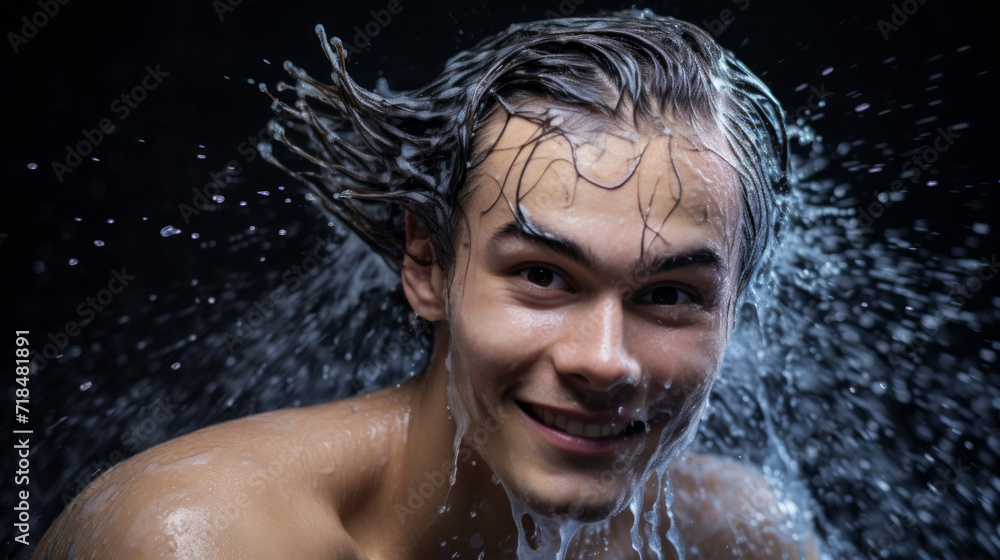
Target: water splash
167, 231
848, 381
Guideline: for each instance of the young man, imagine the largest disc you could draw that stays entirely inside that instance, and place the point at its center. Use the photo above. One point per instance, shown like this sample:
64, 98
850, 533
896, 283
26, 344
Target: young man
577, 207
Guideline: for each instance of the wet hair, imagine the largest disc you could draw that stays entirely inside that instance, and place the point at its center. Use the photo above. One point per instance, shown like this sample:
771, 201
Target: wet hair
372, 155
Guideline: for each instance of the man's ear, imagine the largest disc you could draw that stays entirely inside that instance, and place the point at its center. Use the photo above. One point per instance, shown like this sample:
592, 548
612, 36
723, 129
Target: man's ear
423, 279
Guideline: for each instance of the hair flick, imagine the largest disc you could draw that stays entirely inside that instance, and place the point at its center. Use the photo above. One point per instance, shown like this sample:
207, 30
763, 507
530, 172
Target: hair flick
368, 156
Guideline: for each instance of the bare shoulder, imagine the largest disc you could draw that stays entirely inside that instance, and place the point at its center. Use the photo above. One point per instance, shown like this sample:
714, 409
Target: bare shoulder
725, 509
266, 486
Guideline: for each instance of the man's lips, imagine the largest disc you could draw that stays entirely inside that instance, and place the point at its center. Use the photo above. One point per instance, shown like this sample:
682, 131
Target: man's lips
583, 425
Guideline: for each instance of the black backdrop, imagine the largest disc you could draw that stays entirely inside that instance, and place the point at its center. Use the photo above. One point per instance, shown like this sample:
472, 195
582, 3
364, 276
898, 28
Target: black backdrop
62, 74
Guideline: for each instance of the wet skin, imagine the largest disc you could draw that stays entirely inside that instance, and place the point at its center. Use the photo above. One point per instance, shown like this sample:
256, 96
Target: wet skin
603, 312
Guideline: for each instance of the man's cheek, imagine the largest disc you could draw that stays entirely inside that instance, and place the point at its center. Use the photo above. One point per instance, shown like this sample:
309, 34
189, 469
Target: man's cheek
505, 331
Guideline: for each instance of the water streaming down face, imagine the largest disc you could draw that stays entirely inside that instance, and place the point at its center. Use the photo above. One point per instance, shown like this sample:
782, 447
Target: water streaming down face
672, 164
809, 385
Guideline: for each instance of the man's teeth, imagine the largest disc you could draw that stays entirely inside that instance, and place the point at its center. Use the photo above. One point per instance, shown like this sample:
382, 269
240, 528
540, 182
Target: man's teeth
575, 427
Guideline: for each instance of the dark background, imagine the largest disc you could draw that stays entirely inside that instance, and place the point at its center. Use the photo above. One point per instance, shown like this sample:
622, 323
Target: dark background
64, 79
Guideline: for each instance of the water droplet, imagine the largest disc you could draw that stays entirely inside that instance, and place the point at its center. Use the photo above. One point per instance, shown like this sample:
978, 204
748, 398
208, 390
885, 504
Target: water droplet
175, 366
195, 235
218, 198
86, 385
32, 166
98, 243
167, 231
282, 232
73, 262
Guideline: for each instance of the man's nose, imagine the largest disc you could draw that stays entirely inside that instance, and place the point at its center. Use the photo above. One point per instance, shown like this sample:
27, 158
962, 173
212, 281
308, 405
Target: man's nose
595, 349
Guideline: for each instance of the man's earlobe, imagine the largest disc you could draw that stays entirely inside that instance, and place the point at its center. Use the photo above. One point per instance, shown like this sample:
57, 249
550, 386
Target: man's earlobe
423, 279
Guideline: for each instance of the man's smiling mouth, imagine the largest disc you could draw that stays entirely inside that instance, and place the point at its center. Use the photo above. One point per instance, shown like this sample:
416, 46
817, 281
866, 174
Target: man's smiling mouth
575, 427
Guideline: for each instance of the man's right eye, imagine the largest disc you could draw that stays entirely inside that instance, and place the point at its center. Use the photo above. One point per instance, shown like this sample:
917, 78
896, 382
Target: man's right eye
545, 278
539, 275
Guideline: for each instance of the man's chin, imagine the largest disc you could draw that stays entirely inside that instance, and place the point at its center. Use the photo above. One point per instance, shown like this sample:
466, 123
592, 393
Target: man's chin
585, 507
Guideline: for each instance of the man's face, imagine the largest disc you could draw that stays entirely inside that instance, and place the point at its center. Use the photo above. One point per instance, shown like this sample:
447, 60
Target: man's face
583, 347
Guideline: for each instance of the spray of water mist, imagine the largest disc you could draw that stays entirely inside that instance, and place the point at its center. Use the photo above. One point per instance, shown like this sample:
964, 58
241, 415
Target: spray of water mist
844, 331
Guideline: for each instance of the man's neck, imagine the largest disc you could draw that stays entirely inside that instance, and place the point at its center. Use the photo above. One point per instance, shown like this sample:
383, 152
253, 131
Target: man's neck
429, 510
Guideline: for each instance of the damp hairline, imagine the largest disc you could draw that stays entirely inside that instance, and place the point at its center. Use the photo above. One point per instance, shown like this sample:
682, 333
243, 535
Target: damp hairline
555, 119
370, 156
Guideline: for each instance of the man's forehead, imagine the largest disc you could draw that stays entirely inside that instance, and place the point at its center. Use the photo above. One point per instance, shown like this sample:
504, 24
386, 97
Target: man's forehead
660, 175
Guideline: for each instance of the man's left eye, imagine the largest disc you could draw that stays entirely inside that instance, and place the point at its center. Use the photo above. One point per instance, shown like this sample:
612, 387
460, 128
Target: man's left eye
665, 295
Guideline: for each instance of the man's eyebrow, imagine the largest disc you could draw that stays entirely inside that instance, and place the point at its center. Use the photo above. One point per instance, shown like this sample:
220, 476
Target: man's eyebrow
666, 263
556, 243
573, 251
